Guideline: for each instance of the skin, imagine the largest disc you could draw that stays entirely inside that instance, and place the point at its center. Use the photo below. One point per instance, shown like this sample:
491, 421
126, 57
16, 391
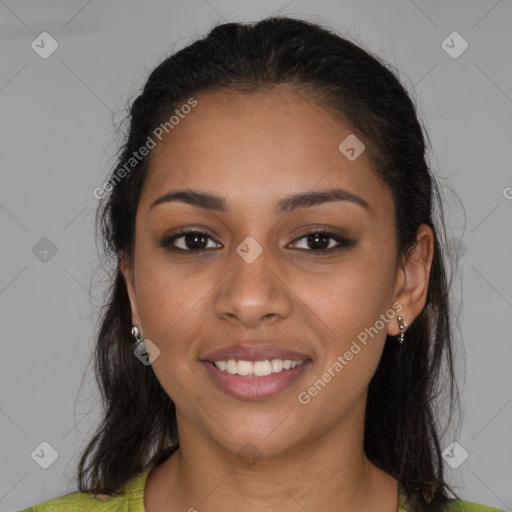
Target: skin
253, 150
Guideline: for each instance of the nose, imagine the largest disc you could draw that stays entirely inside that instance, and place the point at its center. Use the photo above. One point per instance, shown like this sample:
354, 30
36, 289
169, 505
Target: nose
253, 291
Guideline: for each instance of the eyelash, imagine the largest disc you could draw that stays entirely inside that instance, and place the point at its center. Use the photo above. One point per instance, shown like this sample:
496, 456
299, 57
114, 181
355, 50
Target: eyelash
342, 241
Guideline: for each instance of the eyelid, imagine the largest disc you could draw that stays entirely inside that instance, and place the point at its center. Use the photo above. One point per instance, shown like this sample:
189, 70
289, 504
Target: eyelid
319, 228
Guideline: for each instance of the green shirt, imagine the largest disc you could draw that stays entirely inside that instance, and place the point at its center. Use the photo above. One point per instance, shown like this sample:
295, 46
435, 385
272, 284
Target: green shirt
133, 501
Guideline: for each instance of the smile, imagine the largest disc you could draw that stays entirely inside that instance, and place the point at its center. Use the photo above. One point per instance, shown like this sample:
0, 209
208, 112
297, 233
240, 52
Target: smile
259, 368
255, 379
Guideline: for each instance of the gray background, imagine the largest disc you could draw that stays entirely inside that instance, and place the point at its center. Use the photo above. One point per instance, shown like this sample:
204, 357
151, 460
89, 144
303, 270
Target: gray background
58, 119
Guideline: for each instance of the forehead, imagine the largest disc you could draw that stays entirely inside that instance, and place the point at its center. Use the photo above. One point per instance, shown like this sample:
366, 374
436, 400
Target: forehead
254, 148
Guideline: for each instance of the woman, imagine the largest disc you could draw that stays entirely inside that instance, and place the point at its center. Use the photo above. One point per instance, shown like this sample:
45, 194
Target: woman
279, 315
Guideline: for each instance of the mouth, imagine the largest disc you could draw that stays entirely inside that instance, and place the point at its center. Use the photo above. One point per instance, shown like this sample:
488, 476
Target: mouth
244, 379
257, 368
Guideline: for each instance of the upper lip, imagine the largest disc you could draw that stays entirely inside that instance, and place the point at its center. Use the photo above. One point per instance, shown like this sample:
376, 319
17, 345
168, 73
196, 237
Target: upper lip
252, 353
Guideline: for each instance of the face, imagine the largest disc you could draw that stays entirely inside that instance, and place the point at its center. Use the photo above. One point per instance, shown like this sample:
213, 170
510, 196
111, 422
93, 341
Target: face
308, 279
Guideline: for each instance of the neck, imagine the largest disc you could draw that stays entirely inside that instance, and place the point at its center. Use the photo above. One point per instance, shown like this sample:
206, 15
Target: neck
329, 473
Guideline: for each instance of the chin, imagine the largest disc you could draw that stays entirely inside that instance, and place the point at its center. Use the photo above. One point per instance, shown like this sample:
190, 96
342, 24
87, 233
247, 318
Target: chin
259, 435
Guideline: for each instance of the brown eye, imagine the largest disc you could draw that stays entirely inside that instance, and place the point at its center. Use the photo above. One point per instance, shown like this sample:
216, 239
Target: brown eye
320, 241
193, 241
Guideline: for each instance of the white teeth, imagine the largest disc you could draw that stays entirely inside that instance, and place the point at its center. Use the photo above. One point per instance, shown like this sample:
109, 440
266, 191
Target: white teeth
231, 366
277, 365
222, 365
245, 367
261, 368
258, 368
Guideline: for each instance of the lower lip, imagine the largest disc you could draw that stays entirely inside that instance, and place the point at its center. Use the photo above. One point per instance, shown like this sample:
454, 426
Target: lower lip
252, 386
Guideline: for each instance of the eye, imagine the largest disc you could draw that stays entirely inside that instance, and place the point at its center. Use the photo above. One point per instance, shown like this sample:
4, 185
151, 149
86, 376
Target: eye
322, 240
193, 241
197, 241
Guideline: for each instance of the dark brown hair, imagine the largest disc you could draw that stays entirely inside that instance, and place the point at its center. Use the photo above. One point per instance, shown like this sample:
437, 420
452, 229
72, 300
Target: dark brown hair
402, 437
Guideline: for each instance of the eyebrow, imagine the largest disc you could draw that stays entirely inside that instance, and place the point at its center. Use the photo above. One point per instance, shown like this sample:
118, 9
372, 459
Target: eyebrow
288, 204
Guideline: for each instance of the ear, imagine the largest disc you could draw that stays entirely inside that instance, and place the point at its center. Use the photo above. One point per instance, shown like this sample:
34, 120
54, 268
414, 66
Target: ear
127, 270
412, 279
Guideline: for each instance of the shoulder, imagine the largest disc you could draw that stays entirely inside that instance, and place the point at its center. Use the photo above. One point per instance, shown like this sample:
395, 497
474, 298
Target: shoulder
469, 506
131, 497
78, 501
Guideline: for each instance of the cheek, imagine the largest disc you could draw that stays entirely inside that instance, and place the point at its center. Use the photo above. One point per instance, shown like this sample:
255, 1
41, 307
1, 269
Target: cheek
347, 311
169, 310
167, 296
352, 295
